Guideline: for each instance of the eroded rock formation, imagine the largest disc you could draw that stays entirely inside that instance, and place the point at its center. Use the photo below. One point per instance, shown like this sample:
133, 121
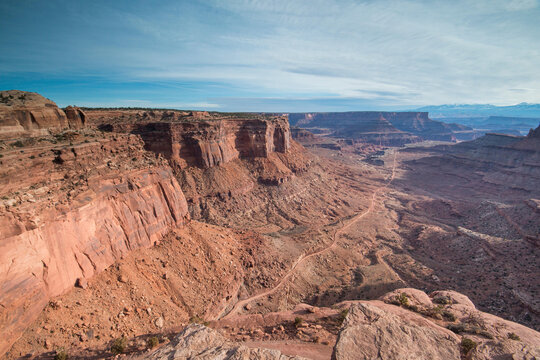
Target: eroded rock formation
385, 128
192, 140
30, 114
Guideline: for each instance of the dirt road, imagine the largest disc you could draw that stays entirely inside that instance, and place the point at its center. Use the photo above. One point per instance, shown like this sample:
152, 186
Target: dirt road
302, 259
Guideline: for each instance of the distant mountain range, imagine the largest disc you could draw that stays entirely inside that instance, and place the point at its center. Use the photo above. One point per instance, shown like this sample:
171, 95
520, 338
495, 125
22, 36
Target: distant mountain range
482, 110
515, 119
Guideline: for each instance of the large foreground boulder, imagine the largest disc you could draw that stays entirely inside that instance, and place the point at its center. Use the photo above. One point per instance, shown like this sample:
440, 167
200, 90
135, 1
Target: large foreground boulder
199, 342
409, 324
370, 333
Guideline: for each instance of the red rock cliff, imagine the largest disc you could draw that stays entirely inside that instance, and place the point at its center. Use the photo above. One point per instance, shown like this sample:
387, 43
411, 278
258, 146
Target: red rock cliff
200, 139
69, 212
30, 114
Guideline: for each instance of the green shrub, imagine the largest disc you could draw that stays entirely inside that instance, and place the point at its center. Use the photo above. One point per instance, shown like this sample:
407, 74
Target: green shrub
448, 315
514, 336
61, 354
467, 345
18, 143
153, 342
298, 322
119, 345
402, 299
342, 315
196, 319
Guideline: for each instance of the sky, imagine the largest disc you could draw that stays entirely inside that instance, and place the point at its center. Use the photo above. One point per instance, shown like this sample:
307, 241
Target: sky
279, 56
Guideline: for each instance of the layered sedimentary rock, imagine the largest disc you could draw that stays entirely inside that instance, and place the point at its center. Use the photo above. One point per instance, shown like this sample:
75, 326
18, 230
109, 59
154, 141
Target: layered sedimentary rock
371, 127
211, 143
70, 211
301, 134
215, 156
30, 114
502, 160
390, 128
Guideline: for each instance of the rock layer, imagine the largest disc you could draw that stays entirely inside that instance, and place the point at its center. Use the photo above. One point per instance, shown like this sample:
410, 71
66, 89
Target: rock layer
82, 207
207, 143
385, 128
30, 114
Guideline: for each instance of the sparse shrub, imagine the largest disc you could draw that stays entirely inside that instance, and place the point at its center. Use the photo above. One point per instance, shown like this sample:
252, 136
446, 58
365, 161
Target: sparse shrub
153, 342
465, 328
514, 336
119, 345
342, 315
298, 321
32, 157
448, 315
61, 354
196, 319
443, 300
467, 345
402, 299
457, 328
474, 318
434, 312
18, 143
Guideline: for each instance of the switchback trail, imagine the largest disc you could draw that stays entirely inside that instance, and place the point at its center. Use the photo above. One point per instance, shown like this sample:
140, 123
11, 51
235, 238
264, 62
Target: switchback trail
302, 259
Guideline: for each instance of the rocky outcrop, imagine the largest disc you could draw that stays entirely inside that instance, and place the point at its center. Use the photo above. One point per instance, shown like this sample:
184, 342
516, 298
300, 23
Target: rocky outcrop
216, 157
199, 342
386, 128
418, 326
75, 116
30, 114
208, 143
70, 211
301, 134
370, 333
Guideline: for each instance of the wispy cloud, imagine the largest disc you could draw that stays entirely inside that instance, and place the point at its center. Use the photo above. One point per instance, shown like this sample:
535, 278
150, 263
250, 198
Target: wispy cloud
340, 53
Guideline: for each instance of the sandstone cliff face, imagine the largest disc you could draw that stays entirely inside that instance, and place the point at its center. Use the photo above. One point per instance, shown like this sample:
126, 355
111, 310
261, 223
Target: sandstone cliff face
190, 141
69, 212
216, 157
29, 114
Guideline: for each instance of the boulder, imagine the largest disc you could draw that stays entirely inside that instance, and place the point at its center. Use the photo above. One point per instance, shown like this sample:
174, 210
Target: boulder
369, 333
199, 342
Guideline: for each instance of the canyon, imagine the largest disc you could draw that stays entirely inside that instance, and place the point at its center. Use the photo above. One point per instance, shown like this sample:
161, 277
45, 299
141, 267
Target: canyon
383, 128
231, 234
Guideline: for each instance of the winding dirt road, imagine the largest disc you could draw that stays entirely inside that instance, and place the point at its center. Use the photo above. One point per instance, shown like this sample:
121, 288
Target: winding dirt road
302, 259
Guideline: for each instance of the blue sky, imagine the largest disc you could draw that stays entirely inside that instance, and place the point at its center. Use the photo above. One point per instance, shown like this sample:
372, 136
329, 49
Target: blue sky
296, 55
